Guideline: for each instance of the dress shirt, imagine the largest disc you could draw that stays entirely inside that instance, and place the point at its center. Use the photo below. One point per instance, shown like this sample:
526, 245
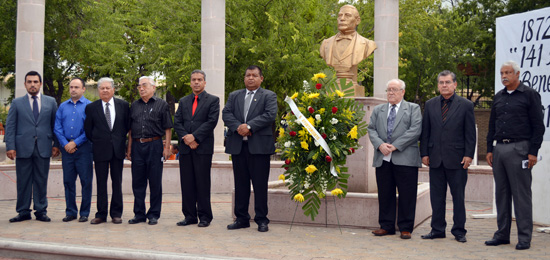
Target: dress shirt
387, 158
450, 101
69, 122
201, 96
111, 110
38, 99
150, 119
245, 138
518, 115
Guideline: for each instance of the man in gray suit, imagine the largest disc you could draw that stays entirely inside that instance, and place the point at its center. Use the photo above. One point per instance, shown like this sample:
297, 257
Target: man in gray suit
394, 130
30, 142
249, 115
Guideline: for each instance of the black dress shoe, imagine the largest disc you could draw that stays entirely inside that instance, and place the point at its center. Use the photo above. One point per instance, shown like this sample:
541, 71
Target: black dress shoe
69, 218
496, 242
263, 227
136, 220
460, 238
43, 218
187, 222
96, 221
153, 221
432, 235
523, 246
204, 223
20, 218
117, 220
238, 225
83, 219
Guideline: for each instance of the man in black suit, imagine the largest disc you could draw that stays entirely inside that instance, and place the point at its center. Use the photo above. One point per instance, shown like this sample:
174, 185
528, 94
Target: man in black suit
249, 115
106, 125
447, 146
195, 120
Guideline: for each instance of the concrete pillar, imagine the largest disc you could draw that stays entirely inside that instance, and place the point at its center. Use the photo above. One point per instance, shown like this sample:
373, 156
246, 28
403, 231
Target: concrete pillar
386, 36
29, 46
213, 60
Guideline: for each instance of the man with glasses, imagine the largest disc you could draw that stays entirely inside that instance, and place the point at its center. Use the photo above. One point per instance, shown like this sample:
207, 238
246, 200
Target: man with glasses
394, 130
447, 146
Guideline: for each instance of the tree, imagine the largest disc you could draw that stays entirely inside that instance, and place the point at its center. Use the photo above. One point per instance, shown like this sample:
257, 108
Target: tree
8, 25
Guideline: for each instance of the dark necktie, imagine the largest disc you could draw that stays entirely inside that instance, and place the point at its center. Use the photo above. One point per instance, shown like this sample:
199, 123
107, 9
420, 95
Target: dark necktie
445, 109
108, 115
194, 105
247, 101
35, 111
391, 120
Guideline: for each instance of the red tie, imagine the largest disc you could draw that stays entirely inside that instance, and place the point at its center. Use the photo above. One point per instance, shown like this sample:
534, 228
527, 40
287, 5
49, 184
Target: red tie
195, 105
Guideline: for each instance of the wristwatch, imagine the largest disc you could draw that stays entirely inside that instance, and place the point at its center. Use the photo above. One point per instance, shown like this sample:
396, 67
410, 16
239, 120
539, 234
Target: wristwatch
248, 126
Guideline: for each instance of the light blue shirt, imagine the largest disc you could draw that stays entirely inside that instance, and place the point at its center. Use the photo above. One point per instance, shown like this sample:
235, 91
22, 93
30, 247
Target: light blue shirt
69, 122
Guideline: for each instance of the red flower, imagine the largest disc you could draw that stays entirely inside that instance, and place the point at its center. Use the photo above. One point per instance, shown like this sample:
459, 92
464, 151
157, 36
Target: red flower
286, 168
328, 159
311, 110
334, 110
292, 133
292, 112
287, 161
351, 150
318, 86
324, 135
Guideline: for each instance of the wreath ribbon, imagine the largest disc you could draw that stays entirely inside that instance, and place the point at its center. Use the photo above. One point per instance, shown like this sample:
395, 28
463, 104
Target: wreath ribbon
312, 131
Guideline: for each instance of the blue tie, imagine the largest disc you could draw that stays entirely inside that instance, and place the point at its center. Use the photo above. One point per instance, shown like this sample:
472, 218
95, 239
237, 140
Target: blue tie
35, 108
391, 120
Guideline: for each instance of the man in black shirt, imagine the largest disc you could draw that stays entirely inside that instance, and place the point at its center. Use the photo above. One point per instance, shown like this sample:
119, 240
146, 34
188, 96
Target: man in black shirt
149, 120
515, 135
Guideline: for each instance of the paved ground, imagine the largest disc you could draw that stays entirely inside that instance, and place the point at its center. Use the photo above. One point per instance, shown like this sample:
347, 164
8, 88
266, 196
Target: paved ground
302, 242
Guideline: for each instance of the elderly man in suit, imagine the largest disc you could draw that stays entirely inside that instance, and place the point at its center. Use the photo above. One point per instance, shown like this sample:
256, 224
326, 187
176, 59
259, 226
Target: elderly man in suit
194, 122
394, 130
447, 146
30, 142
106, 125
249, 115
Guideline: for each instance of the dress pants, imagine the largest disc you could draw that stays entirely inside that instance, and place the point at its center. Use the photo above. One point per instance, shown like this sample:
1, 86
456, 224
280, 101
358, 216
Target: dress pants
405, 178
78, 164
195, 185
513, 183
147, 168
32, 183
102, 175
247, 167
456, 179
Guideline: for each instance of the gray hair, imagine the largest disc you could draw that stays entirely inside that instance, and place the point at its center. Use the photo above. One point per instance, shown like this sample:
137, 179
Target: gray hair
106, 79
199, 71
447, 73
398, 81
151, 80
512, 63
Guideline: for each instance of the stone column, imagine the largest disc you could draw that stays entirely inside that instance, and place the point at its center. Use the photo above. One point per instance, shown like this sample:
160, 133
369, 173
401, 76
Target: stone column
213, 60
29, 46
386, 36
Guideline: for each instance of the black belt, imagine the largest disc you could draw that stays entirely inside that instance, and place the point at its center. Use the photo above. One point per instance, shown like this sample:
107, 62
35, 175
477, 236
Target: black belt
509, 140
146, 140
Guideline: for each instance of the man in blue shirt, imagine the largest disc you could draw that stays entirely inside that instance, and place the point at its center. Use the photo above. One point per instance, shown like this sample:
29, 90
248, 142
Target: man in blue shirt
76, 150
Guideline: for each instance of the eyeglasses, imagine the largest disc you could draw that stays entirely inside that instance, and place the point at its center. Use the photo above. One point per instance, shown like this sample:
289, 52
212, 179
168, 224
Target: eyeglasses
393, 90
448, 82
143, 85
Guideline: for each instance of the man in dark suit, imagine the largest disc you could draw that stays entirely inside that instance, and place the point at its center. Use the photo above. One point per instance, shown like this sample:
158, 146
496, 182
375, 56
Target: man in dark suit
249, 115
106, 125
447, 146
394, 129
30, 142
195, 120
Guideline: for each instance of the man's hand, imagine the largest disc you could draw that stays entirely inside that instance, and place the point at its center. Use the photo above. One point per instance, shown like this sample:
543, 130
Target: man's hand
426, 160
55, 152
489, 159
385, 148
243, 130
70, 147
11, 154
193, 145
166, 153
466, 161
532, 160
188, 138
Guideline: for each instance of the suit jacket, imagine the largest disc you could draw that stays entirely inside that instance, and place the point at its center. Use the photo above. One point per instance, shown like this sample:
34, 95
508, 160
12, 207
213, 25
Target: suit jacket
361, 49
201, 125
107, 143
407, 129
448, 142
261, 116
22, 131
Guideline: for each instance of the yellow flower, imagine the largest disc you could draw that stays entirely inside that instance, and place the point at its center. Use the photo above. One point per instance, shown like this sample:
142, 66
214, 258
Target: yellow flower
353, 133
294, 95
299, 197
281, 132
339, 93
321, 110
318, 76
337, 192
314, 95
304, 145
282, 177
311, 169
311, 121
303, 134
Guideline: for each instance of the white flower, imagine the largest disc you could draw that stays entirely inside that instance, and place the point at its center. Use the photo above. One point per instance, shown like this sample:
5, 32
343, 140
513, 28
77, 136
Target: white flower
306, 86
306, 184
323, 128
288, 144
318, 117
297, 122
316, 143
283, 122
333, 137
334, 121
